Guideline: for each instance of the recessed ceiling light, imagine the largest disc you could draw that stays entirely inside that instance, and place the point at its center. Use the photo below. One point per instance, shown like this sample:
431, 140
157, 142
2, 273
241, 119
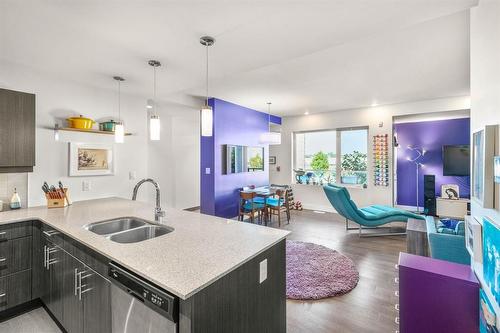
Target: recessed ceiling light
306, 113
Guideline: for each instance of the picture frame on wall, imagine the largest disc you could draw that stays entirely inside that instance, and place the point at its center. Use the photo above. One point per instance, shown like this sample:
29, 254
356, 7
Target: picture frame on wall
483, 149
496, 169
91, 159
474, 239
491, 257
272, 159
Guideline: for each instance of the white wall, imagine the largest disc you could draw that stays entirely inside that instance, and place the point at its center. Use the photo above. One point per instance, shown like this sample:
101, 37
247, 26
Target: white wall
485, 80
313, 197
57, 98
174, 160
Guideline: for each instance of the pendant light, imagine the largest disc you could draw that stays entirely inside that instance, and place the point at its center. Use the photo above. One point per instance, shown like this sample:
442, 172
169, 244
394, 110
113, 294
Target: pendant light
119, 129
154, 119
269, 137
207, 118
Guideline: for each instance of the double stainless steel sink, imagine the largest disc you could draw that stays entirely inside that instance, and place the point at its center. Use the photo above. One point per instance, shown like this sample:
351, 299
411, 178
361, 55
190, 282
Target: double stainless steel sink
128, 229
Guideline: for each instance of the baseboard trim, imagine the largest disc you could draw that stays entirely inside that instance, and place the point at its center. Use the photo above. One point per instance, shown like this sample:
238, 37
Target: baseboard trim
192, 209
20, 309
61, 327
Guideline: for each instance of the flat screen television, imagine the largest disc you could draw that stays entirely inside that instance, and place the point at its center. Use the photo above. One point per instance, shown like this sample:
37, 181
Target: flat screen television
456, 160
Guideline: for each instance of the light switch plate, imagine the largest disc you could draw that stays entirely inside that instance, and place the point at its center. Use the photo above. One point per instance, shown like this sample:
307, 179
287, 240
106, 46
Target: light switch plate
263, 271
86, 185
207, 171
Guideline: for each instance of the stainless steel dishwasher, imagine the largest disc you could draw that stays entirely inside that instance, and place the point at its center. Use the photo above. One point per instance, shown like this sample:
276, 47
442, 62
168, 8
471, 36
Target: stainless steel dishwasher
139, 306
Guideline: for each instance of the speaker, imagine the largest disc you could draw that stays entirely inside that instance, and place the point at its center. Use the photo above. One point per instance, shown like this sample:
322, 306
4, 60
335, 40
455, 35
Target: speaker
430, 195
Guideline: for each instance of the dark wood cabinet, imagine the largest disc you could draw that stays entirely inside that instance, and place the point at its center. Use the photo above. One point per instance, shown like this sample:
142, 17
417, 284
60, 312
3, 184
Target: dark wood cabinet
78, 296
52, 278
96, 296
15, 255
15, 289
73, 306
17, 131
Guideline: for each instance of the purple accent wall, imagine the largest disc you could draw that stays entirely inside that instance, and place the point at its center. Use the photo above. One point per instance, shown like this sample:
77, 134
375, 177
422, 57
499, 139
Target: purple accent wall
431, 136
237, 125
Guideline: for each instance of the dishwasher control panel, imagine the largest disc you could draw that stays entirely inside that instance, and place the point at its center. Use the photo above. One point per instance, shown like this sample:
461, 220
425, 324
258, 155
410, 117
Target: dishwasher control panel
152, 296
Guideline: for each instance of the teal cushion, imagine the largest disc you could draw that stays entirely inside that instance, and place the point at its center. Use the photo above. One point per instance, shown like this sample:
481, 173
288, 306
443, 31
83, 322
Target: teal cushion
259, 200
275, 202
443, 230
248, 206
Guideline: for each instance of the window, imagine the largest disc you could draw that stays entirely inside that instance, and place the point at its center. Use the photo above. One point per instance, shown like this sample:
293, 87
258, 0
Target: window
332, 156
354, 147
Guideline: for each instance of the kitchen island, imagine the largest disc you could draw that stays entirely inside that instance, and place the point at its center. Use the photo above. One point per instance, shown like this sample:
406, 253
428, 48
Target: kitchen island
226, 276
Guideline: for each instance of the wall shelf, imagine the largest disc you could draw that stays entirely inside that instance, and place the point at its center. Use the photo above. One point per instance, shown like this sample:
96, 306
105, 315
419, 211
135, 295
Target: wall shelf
93, 131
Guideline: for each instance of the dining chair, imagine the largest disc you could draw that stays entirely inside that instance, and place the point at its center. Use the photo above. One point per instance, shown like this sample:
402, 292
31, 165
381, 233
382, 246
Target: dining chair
248, 206
278, 204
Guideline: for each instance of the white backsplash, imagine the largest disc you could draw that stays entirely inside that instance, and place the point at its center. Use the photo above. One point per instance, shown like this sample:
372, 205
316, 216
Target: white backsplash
9, 181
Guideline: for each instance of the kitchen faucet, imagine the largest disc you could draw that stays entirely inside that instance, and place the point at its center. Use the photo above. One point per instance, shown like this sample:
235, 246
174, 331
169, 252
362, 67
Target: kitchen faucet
158, 212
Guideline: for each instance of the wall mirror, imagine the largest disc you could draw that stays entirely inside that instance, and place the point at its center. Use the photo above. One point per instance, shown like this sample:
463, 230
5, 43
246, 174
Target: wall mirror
238, 159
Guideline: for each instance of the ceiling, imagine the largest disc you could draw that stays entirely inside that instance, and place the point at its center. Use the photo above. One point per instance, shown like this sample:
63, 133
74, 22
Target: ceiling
301, 55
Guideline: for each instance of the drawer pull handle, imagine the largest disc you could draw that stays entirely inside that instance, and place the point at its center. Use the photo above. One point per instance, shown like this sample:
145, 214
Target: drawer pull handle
3, 295
76, 281
396, 266
396, 293
396, 280
45, 256
50, 233
396, 306
396, 320
3, 259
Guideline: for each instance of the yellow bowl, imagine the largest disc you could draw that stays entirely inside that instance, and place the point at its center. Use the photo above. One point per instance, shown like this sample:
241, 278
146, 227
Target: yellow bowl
80, 122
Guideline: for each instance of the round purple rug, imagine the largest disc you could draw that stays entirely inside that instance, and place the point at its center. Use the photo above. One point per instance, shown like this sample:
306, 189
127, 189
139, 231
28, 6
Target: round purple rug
314, 271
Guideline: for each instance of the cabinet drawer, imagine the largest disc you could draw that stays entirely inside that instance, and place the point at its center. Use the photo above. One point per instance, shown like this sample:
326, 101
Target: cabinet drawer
15, 230
15, 289
52, 235
15, 255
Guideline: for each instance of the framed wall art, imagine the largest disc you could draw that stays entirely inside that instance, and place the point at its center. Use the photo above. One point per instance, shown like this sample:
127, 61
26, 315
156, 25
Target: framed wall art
91, 159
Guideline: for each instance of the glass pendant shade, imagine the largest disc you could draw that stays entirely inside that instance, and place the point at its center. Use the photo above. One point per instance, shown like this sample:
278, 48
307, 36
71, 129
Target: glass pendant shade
119, 132
154, 128
207, 121
271, 138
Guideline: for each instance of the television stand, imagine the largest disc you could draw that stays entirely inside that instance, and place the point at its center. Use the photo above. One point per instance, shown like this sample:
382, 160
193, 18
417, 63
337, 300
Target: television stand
452, 207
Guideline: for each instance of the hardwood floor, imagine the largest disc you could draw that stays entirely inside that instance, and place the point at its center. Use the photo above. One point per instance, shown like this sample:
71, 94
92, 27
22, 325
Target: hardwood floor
367, 308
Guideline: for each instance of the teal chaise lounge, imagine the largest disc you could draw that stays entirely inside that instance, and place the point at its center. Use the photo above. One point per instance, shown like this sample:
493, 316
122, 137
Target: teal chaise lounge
368, 217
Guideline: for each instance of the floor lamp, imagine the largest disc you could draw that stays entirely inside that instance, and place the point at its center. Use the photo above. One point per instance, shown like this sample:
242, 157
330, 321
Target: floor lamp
419, 155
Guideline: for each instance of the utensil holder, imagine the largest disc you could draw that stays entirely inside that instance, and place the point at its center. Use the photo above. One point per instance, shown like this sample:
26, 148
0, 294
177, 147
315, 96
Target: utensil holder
59, 202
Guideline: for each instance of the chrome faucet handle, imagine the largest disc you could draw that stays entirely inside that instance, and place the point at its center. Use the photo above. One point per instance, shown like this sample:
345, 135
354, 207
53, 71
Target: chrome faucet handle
159, 213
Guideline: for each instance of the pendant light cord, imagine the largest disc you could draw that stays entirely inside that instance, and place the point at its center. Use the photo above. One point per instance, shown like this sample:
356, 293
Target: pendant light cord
119, 101
206, 101
154, 90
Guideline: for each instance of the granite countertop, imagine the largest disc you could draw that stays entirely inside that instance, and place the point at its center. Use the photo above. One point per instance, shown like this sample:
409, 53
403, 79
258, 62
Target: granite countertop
199, 251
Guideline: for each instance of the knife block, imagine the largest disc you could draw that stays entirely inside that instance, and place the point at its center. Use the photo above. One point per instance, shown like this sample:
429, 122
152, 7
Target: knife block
57, 203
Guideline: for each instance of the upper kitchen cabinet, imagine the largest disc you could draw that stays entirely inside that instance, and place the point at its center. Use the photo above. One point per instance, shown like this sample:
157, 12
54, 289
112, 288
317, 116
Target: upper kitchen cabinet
17, 131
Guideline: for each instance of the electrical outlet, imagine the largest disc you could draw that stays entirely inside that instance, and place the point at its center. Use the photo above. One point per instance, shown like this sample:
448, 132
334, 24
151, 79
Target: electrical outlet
263, 271
86, 185
207, 171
